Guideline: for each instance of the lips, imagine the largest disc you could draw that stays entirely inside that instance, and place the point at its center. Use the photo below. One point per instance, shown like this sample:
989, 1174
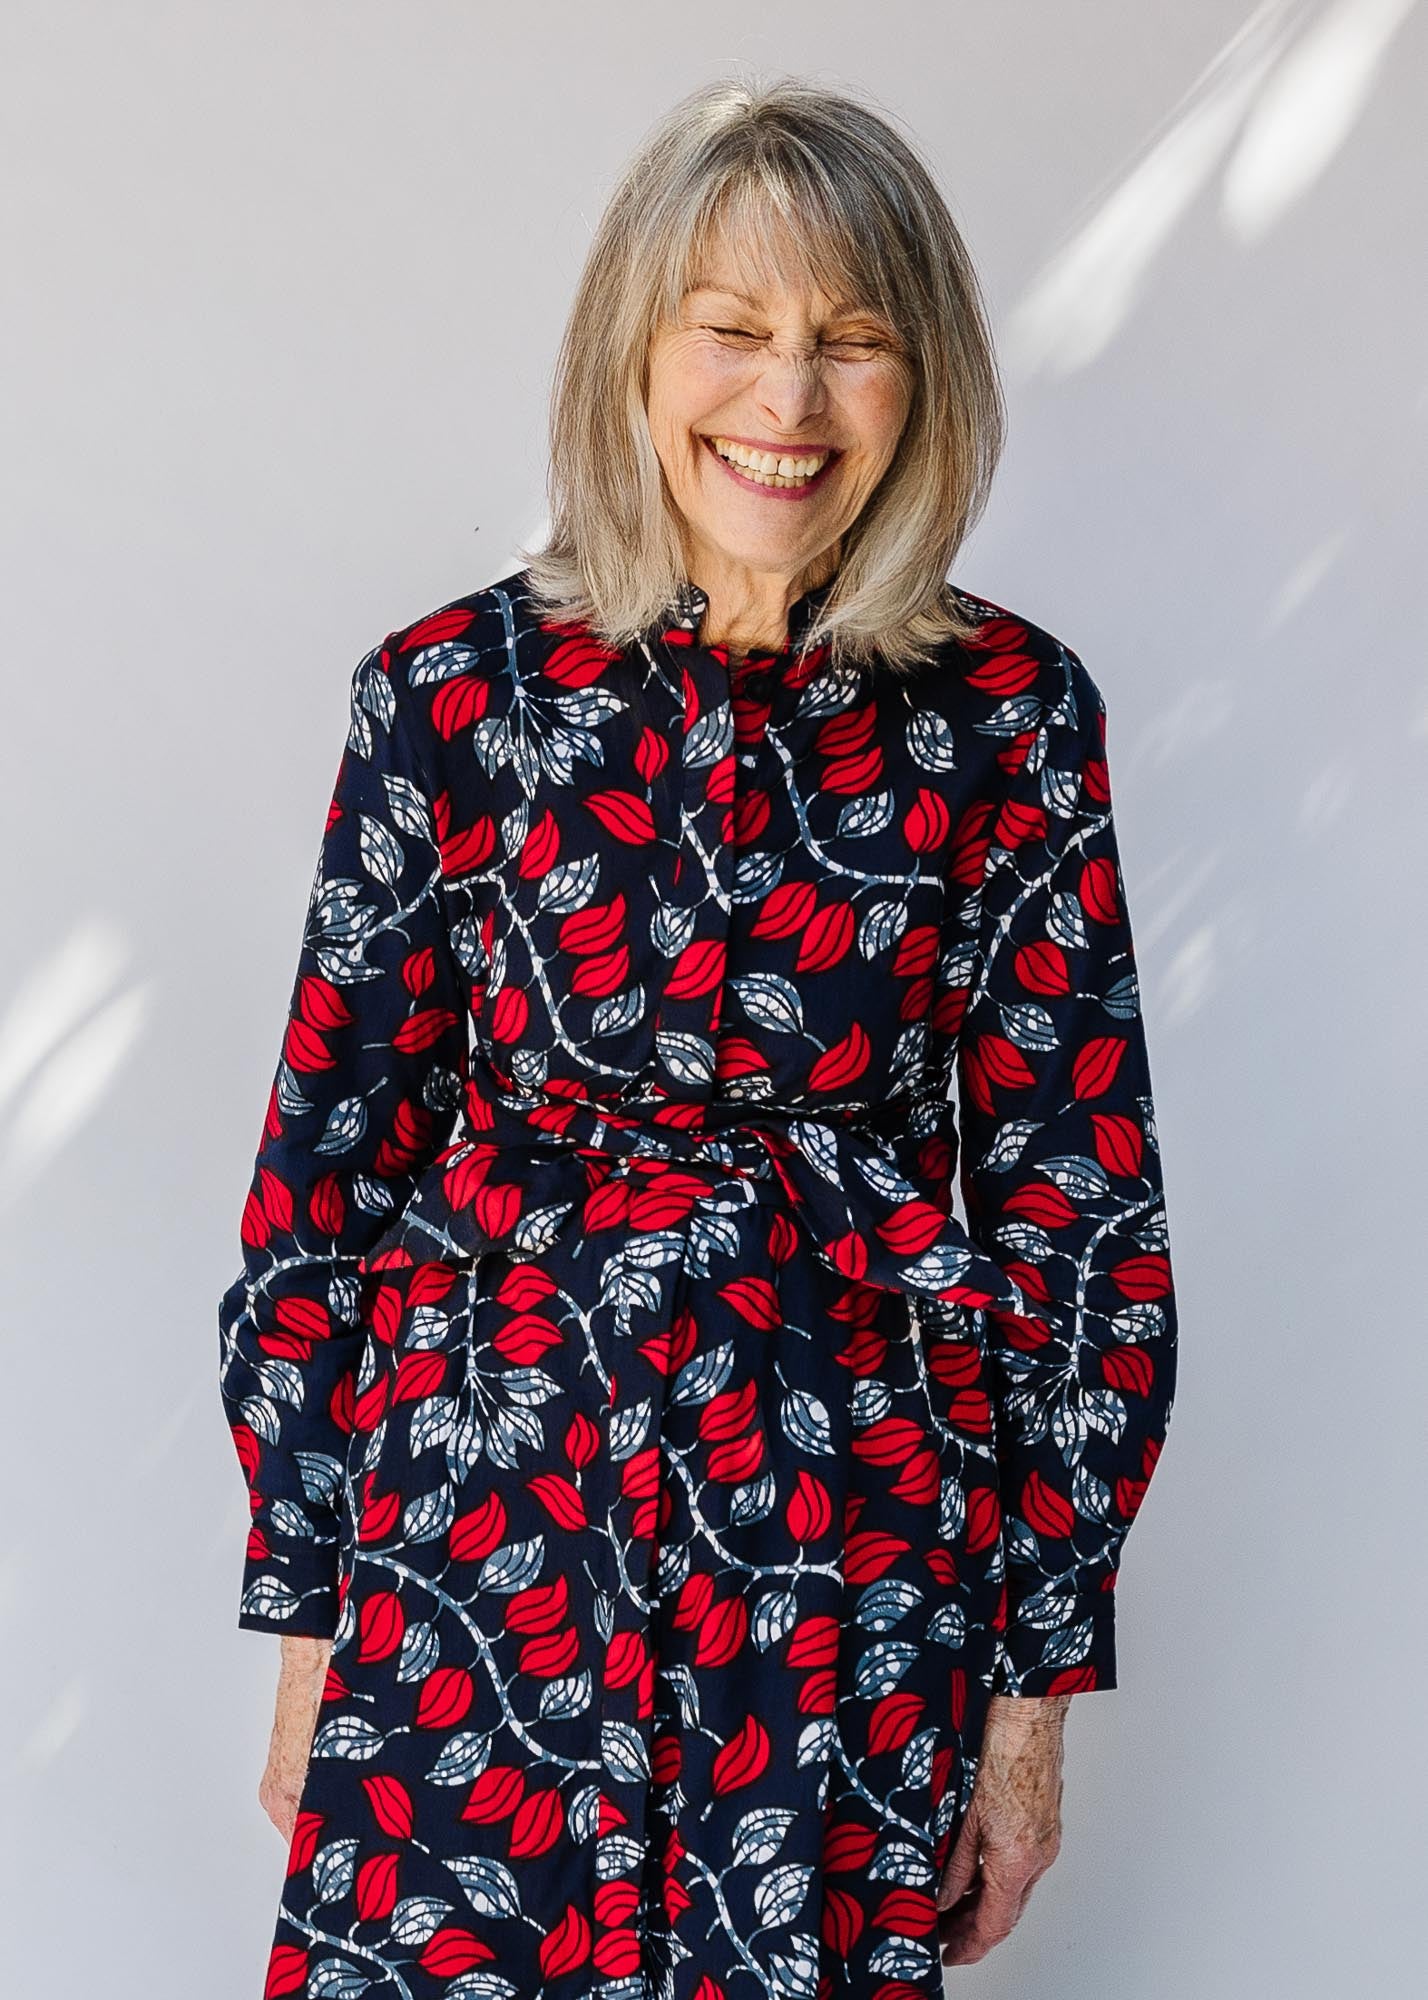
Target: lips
753, 484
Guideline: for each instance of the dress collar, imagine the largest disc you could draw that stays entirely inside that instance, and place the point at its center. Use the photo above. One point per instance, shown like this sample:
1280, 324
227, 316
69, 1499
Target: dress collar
690, 603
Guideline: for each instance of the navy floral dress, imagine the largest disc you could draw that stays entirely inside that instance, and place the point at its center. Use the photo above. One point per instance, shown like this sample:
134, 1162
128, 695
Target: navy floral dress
612, 1378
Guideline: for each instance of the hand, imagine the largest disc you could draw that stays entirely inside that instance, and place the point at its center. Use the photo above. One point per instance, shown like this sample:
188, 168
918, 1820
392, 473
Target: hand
1013, 1826
300, 1684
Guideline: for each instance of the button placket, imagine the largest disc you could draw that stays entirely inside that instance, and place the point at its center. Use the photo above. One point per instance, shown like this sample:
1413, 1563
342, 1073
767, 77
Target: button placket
702, 896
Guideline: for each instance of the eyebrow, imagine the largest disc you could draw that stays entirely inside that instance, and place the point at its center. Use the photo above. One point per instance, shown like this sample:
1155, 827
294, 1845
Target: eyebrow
841, 308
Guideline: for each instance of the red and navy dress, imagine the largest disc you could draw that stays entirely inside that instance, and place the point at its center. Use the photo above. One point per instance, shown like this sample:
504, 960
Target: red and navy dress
677, 1475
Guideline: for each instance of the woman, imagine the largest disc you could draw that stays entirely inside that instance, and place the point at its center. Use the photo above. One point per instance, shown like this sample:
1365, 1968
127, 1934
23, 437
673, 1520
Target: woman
686, 1536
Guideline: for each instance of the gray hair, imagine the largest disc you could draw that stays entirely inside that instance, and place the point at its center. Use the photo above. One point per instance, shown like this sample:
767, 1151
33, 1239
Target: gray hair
733, 162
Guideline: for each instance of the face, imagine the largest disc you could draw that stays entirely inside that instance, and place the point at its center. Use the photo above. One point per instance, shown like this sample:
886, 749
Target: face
774, 414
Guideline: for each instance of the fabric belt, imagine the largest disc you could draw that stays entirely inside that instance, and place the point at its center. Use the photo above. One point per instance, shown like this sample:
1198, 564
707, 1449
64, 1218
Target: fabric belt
875, 1204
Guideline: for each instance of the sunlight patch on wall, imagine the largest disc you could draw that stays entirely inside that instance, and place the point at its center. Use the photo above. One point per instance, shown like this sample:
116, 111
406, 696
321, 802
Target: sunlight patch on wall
64, 1037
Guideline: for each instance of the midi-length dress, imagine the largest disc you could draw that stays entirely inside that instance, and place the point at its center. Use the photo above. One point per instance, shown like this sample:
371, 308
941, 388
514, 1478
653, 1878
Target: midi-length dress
611, 1374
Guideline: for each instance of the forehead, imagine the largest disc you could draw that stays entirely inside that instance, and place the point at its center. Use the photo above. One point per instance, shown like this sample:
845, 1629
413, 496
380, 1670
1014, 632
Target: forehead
764, 267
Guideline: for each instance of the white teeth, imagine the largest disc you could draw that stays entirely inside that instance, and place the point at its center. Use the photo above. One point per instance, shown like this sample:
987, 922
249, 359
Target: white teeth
767, 468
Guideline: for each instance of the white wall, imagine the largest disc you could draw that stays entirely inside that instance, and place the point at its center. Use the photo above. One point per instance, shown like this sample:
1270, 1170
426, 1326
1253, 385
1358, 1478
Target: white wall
284, 283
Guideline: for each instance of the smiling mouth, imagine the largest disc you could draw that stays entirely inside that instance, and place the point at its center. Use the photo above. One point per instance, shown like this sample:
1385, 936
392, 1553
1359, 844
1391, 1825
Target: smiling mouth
786, 472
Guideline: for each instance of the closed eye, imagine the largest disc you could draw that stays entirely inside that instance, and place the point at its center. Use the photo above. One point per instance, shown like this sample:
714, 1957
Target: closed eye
849, 345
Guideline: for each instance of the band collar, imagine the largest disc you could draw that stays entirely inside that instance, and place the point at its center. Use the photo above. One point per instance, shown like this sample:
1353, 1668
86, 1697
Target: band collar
686, 613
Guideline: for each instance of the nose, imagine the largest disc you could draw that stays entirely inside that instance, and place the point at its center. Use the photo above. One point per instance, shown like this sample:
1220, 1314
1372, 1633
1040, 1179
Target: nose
791, 387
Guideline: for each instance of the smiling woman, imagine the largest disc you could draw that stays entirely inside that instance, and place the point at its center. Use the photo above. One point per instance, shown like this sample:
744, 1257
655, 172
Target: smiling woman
838, 391
784, 282
708, 1527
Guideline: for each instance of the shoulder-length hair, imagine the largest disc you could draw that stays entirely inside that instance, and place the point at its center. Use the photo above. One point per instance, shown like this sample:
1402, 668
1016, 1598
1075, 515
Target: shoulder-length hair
844, 194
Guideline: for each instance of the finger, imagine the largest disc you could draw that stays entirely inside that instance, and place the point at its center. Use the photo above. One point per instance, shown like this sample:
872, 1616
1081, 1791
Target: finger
992, 1917
961, 1869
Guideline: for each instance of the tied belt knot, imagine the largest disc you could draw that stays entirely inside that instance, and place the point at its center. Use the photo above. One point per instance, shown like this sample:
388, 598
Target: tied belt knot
873, 1198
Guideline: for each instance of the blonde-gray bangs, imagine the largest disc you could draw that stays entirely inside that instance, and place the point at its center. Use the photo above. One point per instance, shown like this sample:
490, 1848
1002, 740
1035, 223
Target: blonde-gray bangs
797, 183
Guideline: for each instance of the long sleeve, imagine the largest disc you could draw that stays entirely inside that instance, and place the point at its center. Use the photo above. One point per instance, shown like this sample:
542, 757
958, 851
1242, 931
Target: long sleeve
367, 1089
1061, 1179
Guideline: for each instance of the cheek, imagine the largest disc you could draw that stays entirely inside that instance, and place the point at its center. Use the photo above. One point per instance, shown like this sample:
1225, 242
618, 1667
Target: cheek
880, 411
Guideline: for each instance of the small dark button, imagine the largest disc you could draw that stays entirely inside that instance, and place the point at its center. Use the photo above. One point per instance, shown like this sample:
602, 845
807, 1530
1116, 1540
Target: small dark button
760, 685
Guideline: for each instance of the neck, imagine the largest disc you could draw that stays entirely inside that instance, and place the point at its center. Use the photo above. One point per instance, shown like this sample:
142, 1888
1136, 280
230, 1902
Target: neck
748, 608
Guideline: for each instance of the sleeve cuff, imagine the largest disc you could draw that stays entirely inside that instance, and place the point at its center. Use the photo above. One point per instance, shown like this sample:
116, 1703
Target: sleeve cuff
1076, 1658
299, 1595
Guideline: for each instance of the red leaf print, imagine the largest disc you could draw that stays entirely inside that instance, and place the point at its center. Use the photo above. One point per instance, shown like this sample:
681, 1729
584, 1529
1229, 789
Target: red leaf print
889, 1441
1120, 1143
560, 1499
698, 970
1042, 1203
911, 1227
540, 850
321, 1005
507, 1014
305, 1051
1017, 822
555, 1653
755, 1300
730, 1464
303, 1845
391, 1804
459, 704
448, 623
287, 1971
848, 1847
495, 1794
540, 1608
598, 977
786, 911
1042, 967
446, 1694
809, 1513
892, 1722
722, 1634
906, 1913
598, 928
869, 1554
1128, 1369
1144, 1277
382, 1624
376, 1891
843, 1063
379, 1517
1046, 1510
1100, 895
578, 661
928, 823
306, 1318
827, 939
617, 1953
815, 1642
743, 1758
423, 1030
623, 817
451, 1951
567, 1946
843, 1922
984, 1518
916, 953
539, 1823
419, 1374
1094, 1070
276, 1198
465, 851
854, 776
1003, 1063
525, 1338
730, 1413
